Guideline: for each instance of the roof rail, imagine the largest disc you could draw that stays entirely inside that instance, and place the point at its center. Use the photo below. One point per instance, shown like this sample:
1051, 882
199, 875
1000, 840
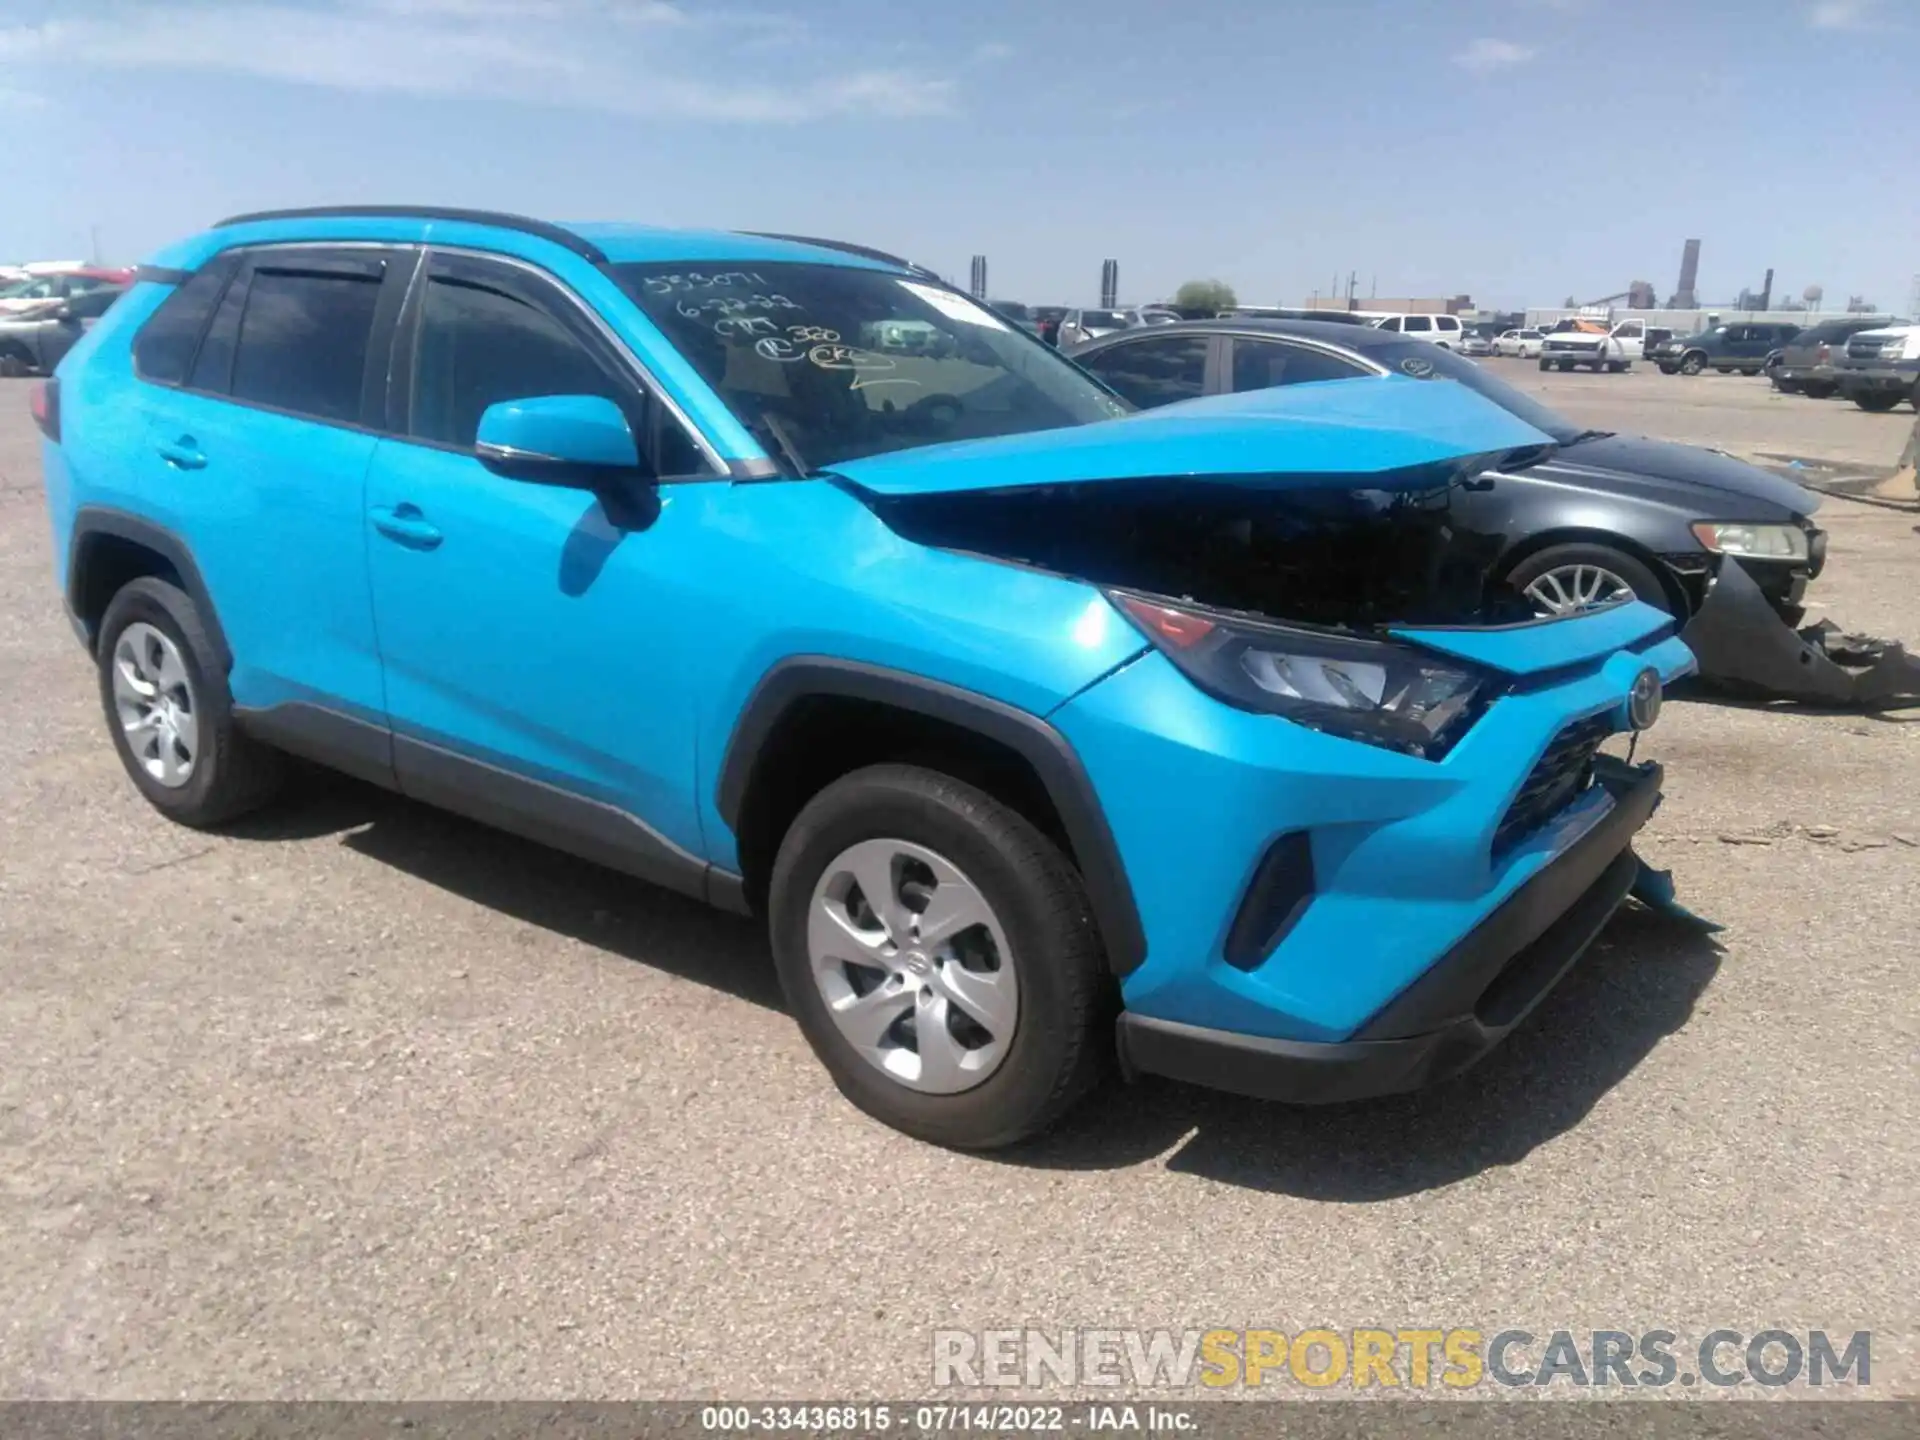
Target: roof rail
845, 247
557, 234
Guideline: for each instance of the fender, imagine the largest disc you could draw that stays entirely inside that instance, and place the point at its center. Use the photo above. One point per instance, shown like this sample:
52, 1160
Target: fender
96, 520
1043, 747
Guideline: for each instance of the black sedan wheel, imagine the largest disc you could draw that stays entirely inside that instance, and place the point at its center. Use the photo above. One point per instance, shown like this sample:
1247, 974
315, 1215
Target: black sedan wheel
1569, 579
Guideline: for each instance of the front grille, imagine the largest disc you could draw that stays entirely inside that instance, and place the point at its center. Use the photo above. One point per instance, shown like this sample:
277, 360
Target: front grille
1862, 348
1557, 779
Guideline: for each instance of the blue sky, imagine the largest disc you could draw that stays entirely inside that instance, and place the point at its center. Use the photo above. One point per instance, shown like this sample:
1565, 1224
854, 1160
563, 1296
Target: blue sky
1516, 150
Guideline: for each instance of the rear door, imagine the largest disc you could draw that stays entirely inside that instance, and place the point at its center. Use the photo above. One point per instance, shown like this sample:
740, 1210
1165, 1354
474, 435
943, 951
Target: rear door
260, 453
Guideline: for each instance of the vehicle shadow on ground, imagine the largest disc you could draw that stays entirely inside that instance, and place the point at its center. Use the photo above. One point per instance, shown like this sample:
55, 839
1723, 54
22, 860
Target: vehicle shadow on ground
1637, 985
530, 882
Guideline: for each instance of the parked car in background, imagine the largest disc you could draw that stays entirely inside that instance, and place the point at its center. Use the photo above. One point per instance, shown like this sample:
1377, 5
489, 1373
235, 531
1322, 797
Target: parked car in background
47, 288
1476, 344
1077, 327
1046, 321
1881, 368
1058, 767
1442, 330
1603, 517
1596, 346
1807, 362
39, 339
1741, 345
1523, 344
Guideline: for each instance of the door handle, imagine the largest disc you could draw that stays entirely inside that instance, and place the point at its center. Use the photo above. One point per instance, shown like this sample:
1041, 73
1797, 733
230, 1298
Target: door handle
407, 525
182, 454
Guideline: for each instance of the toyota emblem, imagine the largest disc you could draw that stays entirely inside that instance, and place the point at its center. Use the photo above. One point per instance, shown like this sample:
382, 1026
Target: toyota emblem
1643, 700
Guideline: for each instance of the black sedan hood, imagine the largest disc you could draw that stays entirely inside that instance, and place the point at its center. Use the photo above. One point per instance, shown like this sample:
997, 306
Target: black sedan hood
1634, 458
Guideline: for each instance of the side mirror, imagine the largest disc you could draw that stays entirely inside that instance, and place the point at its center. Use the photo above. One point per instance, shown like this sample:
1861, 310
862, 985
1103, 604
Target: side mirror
577, 440
62, 311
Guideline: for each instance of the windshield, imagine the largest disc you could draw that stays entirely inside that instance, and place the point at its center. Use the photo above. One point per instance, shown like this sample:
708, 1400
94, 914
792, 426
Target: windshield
1107, 319
836, 363
39, 287
1429, 362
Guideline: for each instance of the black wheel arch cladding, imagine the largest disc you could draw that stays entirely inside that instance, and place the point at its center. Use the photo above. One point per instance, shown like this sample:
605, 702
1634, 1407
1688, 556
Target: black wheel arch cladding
1068, 787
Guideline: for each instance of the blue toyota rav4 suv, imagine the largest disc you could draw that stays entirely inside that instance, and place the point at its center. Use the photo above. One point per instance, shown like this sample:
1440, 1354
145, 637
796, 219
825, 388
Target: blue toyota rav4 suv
782, 574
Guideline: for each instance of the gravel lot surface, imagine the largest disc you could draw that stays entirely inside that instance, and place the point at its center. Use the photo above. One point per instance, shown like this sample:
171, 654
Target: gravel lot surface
363, 1101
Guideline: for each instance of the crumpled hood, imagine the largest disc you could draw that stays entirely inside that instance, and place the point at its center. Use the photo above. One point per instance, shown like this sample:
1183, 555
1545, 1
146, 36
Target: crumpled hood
1636, 457
1368, 433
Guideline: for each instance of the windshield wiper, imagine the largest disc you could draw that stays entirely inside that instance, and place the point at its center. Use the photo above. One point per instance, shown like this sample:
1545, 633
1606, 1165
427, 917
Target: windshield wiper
1588, 435
770, 424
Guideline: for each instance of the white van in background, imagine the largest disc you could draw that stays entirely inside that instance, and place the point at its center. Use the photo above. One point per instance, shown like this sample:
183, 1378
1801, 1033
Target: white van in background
1442, 330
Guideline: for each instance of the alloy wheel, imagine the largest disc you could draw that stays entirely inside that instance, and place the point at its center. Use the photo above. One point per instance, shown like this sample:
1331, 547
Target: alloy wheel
1570, 589
154, 700
913, 965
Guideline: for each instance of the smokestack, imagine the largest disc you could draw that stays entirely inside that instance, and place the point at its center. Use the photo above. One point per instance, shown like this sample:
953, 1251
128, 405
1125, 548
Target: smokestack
1684, 298
1766, 292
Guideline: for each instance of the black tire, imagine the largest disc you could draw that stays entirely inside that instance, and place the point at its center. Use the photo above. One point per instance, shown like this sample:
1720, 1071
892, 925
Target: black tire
231, 774
1816, 389
1616, 367
1545, 364
1667, 367
1693, 363
14, 363
1877, 400
1723, 369
1786, 387
1645, 584
1060, 1043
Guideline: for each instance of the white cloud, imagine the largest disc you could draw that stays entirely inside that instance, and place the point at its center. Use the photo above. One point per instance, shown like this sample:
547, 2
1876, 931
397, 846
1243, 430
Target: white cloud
1485, 55
637, 57
1839, 14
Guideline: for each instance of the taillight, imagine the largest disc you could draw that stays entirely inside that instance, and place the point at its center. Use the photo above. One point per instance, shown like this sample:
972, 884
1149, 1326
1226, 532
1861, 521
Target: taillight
45, 404
1825, 352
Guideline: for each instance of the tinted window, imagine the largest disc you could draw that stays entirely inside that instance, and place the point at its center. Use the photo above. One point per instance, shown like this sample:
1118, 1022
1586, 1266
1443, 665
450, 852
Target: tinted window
213, 365
1393, 324
1260, 364
167, 341
303, 340
1155, 372
479, 346
1416, 324
1446, 322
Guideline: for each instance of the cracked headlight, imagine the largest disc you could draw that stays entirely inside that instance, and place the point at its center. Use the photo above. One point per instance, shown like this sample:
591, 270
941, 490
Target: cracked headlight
1752, 542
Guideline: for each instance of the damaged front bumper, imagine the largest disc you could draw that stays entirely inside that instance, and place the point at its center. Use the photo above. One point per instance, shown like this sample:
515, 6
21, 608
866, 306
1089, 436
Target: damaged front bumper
1745, 648
1477, 993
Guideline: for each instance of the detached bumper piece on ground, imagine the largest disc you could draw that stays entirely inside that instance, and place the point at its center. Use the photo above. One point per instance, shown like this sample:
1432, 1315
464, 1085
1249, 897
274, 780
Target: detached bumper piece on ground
1744, 648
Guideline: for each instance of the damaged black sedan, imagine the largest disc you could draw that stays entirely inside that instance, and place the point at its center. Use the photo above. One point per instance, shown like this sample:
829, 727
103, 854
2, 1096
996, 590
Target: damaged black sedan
1601, 518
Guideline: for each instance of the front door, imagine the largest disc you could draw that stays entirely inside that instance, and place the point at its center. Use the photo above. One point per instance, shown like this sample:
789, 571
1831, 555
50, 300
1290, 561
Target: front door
532, 633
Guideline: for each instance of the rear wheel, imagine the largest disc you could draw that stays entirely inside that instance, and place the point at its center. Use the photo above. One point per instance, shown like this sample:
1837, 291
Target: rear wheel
170, 713
1569, 579
938, 954
13, 363
1876, 400
1669, 368
1816, 389
1693, 364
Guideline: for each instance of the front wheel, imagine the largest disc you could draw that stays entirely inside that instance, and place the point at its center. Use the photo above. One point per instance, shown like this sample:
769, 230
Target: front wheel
13, 364
170, 713
938, 954
1546, 364
1816, 390
1693, 364
1876, 400
1569, 579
